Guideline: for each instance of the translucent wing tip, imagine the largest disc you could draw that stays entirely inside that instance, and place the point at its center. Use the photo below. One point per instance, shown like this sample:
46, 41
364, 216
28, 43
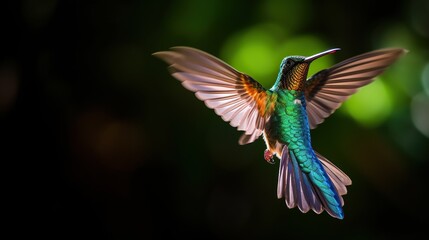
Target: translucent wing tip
397, 51
167, 56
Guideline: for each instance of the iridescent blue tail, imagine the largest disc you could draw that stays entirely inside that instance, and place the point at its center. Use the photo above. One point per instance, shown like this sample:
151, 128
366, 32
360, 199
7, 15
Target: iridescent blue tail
318, 190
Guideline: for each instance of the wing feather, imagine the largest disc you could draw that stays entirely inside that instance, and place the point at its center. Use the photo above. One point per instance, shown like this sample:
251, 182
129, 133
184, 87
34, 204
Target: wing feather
298, 191
295, 187
329, 88
235, 97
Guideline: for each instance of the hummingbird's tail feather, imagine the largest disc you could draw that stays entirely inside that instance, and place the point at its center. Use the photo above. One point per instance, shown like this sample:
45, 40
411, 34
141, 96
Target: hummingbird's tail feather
319, 190
338, 177
295, 186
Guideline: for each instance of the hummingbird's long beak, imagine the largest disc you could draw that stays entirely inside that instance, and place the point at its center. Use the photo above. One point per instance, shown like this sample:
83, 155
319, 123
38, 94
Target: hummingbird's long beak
318, 55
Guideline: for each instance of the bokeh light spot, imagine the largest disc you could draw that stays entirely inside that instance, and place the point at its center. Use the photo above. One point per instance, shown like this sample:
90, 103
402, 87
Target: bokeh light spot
371, 105
252, 52
405, 73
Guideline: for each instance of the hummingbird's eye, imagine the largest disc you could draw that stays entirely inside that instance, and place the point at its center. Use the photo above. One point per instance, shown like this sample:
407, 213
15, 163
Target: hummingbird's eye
289, 63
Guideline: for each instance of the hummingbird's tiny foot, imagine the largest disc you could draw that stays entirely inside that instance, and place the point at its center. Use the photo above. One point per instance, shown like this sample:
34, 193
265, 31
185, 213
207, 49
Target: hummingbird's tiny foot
268, 156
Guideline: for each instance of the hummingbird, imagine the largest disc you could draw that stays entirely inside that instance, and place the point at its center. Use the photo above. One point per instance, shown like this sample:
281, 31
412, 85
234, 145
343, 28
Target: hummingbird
284, 114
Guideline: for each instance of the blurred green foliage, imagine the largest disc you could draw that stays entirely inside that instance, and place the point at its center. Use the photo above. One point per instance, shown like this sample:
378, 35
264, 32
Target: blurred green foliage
101, 141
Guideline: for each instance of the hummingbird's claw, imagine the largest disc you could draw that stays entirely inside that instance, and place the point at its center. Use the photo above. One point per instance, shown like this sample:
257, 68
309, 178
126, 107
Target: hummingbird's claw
268, 156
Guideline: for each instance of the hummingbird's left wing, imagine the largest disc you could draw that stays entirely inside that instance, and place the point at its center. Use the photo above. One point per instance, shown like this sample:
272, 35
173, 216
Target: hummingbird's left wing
235, 96
328, 89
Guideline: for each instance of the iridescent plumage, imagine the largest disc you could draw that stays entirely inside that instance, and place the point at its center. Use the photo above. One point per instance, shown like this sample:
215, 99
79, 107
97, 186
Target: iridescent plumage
284, 114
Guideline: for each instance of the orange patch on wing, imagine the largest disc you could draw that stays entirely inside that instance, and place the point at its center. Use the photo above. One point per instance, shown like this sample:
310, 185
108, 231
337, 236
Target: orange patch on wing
265, 102
269, 103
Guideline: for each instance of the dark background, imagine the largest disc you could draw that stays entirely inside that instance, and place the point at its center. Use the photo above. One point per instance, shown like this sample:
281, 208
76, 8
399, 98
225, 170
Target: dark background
100, 141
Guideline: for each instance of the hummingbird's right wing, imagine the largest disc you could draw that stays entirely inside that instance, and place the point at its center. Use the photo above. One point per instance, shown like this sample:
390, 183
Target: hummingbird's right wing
328, 89
235, 96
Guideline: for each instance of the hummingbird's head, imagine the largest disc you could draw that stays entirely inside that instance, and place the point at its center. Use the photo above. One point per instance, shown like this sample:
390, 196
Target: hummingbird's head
294, 69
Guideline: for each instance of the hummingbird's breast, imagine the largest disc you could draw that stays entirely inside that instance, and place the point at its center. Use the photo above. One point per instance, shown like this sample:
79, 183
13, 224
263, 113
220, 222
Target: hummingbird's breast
288, 125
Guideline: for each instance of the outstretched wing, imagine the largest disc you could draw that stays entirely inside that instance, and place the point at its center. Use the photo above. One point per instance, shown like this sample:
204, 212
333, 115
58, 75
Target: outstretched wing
235, 96
328, 89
